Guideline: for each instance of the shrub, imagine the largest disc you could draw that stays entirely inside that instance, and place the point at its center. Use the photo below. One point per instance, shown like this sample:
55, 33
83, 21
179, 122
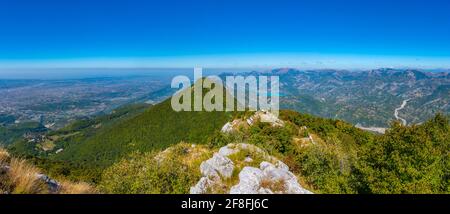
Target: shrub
23, 178
408, 159
172, 171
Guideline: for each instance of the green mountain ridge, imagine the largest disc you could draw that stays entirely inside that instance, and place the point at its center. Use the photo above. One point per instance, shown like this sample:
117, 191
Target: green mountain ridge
154, 129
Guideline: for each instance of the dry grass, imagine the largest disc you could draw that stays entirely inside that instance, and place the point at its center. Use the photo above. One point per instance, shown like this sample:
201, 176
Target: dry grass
189, 154
23, 178
4, 156
277, 186
76, 188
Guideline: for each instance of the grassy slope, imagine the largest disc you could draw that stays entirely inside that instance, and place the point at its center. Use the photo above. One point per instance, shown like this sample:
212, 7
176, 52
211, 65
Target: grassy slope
93, 144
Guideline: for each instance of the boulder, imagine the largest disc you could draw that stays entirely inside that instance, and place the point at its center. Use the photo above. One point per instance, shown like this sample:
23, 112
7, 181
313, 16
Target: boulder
282, 165
217, 166
265, 191
227, 150
272, 176
53, 185
250, 121
293, 187
4, 169
202, 186
248, 160
227, 128
213, 170
265, 117
280, 172
249, 181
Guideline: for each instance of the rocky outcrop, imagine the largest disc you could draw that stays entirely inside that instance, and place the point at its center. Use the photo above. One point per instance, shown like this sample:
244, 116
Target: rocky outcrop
250, 180
266, 117
268, 179
262, 116
271, 177
227, 128
217, 167
213, 170
52, 185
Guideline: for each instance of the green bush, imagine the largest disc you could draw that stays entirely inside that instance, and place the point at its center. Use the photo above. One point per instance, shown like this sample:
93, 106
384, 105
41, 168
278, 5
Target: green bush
408, 159
326, 169
154, 173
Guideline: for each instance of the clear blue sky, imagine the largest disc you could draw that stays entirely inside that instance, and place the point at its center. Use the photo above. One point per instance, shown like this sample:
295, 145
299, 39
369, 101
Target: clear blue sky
227, 32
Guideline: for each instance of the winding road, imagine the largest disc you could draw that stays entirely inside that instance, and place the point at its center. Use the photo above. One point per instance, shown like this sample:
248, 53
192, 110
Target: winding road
400, 108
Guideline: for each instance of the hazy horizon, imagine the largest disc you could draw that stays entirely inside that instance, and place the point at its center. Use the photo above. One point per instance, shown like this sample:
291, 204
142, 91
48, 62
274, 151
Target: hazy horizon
231, 34
82, 73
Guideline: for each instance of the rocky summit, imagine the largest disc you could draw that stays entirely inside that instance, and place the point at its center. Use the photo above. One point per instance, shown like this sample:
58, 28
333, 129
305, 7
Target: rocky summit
229, 166
259, 116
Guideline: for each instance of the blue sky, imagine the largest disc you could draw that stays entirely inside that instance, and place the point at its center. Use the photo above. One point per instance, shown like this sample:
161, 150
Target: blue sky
213, 33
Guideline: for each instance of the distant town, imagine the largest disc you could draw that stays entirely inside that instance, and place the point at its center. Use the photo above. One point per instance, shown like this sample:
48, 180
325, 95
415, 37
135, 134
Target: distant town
54, 103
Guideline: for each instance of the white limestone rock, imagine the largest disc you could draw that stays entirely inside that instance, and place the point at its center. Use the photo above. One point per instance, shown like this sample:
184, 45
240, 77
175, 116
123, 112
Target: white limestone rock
249, 181
280, 172
202, 186
282, 165
228, 150
271, 171
266, 117
250, 121
217, 166
263, 165
53, 185
248, 160
292, 187
265, 191
227, 128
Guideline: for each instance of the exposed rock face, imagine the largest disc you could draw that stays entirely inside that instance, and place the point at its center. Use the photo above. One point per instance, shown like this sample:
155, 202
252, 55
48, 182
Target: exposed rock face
272, 176
268, 179
202, 186
216, 167
227, 128
267, 117
213, 171
53, 185
250, 179
4, 169
232, 126
227, 150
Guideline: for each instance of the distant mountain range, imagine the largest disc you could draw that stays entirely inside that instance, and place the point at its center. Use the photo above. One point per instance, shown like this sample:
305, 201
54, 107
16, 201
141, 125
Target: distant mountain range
368, 98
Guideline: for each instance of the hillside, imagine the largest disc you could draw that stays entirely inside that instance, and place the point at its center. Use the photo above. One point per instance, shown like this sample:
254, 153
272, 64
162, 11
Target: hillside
46, 143
368, 98
156, 128
325, 156
14, 132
